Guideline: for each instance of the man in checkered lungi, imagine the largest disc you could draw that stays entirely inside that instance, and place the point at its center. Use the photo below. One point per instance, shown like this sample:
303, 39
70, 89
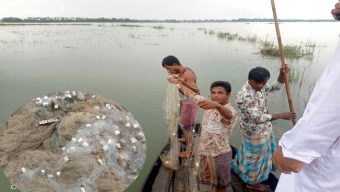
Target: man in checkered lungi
253, 161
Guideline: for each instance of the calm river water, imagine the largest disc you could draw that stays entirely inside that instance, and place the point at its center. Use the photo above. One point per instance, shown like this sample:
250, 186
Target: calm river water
123, 63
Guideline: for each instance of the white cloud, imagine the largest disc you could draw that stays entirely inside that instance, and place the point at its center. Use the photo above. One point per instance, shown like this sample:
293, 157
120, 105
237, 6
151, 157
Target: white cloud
168, 9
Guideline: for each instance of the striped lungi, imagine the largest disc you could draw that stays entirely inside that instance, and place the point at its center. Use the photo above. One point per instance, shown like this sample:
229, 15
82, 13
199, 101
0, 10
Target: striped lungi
215, 171
253, 161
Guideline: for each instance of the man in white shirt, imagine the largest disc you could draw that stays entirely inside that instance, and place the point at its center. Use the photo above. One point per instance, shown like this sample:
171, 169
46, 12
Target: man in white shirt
219, 119
309, 154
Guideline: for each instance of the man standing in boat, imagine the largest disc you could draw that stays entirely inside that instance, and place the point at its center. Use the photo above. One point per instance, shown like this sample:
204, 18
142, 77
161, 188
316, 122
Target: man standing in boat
253, 161
308, 155
188, 109
219, 119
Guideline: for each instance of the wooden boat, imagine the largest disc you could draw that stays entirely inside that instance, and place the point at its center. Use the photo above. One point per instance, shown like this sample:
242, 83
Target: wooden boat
162, 179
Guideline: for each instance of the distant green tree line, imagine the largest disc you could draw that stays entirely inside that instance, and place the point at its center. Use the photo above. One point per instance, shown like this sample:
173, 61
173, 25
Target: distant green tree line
127, 20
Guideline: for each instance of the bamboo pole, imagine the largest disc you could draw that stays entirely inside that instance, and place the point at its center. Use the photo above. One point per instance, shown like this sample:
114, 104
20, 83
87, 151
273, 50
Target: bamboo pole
282, 57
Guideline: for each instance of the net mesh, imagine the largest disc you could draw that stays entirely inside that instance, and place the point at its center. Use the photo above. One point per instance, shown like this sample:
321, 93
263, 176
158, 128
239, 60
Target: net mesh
171, 108
71, 141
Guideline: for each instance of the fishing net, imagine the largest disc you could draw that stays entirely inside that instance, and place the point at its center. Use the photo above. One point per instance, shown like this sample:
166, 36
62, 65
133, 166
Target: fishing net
182, 111
196, 162
187, 175
71, 141
171, 106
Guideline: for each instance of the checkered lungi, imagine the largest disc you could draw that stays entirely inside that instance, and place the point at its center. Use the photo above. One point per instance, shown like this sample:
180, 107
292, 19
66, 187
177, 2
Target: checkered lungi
253, 161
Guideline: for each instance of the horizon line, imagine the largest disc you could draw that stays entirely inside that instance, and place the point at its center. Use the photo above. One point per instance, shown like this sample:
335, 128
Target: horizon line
121, 18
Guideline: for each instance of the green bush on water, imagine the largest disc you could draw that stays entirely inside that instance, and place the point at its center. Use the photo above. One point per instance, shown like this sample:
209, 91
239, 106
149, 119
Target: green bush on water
234, 36
223, 35
291, 51
227, 35
269, 48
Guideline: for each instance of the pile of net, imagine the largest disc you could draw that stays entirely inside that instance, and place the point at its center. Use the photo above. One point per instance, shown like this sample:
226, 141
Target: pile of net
71, 141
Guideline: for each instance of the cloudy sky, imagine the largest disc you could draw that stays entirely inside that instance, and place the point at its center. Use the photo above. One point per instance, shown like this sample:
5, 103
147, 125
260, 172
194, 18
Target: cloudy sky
168, 9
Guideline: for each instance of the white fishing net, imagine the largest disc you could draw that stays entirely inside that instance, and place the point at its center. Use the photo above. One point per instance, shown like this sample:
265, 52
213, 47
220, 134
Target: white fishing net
71, 141
171, 108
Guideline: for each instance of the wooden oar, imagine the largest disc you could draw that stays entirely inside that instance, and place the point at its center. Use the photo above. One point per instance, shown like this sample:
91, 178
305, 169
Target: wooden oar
282, 57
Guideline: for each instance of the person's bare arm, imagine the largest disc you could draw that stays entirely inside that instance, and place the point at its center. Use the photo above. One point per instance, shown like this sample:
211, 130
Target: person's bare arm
285, 116
186, 90
284, 164
225, 112
189, 80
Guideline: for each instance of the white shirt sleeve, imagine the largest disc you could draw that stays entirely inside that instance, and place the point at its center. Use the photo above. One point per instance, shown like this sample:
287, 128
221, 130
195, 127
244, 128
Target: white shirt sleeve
319, 126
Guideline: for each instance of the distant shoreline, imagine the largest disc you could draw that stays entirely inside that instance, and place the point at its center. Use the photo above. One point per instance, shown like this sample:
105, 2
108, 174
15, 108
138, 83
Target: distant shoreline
81, 20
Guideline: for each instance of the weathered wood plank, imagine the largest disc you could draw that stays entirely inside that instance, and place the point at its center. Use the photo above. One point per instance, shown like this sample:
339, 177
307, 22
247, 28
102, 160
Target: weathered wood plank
163, 180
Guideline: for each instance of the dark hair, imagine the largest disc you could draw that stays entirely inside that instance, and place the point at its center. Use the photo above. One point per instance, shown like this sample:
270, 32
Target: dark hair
225, 84
259, 74
170, 60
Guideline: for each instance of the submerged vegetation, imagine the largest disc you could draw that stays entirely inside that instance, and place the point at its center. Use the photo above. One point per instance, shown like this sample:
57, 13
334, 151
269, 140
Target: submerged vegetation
266, 48
135, 25
157, 27
130, 25
290, 51
269, 48
227, 35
